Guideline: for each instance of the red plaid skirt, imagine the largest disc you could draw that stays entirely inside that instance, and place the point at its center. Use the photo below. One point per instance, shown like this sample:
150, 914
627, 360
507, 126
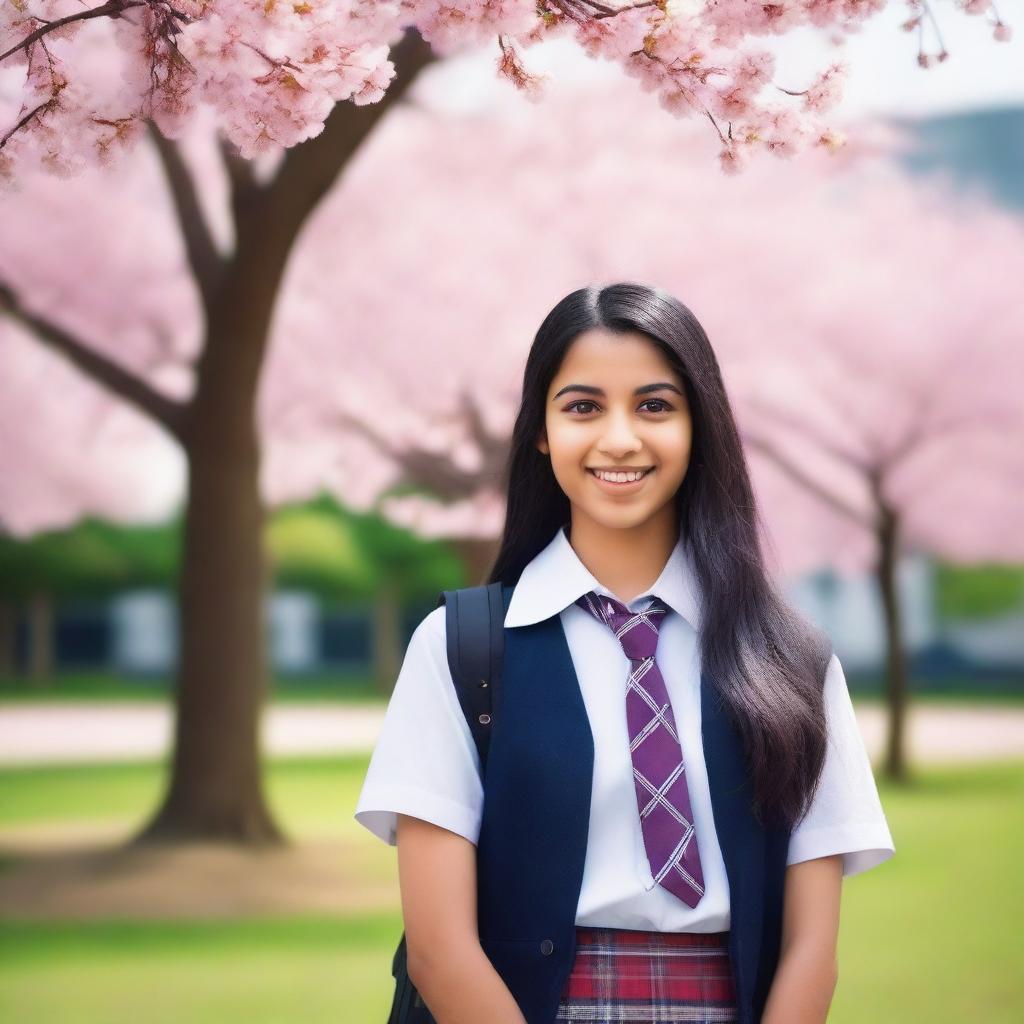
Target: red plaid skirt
649, 978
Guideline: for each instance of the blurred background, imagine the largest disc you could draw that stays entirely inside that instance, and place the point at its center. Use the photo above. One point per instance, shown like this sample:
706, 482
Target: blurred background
202, 615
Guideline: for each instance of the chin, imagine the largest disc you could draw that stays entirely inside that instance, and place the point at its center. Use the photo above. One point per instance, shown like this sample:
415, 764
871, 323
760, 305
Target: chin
621, 518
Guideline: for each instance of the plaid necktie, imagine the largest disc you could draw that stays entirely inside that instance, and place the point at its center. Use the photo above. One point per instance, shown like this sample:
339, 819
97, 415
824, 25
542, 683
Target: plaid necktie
663, 801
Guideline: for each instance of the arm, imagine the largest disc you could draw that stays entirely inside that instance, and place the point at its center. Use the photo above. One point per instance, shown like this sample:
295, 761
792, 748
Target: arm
808, 968
437, 877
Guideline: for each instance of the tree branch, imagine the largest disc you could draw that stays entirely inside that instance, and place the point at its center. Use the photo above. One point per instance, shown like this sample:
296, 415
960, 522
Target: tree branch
923, 434
434, 471
310, 169
806, 481
205, 261
115, 378
801, 426
112, 9
34, 112
239, 170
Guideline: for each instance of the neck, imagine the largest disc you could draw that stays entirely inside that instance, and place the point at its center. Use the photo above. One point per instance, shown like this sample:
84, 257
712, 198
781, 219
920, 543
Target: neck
626, 560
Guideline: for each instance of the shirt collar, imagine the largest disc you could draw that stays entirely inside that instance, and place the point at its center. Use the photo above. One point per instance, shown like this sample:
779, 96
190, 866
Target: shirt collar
556, 577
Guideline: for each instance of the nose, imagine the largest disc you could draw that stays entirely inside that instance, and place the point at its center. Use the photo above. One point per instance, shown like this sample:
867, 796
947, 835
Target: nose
620, 438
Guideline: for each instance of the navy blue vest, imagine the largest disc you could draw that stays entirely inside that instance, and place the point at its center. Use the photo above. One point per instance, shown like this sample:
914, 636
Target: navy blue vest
533, 835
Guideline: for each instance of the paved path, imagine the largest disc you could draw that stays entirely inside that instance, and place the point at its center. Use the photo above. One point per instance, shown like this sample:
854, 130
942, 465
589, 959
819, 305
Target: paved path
50, 733
88, 731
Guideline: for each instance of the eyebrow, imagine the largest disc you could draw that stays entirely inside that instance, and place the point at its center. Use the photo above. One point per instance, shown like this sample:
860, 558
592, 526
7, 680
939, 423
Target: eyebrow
589, 389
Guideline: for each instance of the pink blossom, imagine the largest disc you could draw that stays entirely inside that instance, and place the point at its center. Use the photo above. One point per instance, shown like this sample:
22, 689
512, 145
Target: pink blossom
831, 139
733, 159
826, 92
272, 70
807, 275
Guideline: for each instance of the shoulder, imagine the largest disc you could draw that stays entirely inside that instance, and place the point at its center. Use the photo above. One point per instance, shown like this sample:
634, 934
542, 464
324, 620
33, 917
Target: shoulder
835, 698
835, 680
845, 739
430, 631
424, 697
431, 627
424, 668
833, 667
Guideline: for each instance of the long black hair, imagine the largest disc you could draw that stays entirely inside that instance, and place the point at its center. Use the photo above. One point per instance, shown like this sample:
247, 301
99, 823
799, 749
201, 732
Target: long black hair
767, 661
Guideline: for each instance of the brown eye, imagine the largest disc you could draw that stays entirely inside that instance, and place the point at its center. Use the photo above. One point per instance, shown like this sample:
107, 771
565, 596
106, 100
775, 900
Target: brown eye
664, 406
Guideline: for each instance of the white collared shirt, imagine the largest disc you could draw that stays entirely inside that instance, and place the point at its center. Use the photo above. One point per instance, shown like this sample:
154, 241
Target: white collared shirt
425, 762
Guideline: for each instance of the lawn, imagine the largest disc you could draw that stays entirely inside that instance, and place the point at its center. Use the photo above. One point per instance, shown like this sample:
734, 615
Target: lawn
932, 936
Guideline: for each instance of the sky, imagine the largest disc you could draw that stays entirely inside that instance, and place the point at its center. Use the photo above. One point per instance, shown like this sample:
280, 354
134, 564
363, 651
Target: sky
884, 77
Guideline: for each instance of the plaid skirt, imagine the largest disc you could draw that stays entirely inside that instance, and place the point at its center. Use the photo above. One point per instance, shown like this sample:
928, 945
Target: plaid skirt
621, 975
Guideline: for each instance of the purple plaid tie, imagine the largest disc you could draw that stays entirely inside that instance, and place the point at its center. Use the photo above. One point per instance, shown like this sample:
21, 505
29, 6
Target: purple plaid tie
666, 819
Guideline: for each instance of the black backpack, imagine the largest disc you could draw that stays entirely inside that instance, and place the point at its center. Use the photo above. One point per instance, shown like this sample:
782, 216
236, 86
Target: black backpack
475, 629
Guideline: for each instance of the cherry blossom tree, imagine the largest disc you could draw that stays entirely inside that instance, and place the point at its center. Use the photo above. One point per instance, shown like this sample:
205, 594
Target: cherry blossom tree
912, 433
874, 367
274, 71
233, 302
200, 388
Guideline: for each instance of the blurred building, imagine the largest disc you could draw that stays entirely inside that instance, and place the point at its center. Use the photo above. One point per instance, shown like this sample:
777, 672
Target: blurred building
135, 634
941, 650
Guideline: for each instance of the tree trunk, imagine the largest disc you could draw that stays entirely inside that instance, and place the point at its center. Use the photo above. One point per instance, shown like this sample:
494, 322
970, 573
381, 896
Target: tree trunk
387, 642
894, 765
8, 639
40, 639
478, 555
216, 789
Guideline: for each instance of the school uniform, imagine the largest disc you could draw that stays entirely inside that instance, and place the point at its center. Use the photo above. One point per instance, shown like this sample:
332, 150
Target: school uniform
565, 729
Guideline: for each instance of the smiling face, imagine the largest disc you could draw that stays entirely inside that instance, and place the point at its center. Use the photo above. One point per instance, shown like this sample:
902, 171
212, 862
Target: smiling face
617, 404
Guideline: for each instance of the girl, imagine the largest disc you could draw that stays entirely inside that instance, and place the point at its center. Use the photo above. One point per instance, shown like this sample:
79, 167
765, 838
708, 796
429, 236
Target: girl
676, 784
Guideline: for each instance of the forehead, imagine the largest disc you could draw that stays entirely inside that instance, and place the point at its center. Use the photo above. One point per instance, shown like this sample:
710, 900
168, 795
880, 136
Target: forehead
615, 361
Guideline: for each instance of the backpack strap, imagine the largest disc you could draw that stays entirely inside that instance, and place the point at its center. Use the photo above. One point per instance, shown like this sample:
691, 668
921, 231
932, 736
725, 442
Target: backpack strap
475, 628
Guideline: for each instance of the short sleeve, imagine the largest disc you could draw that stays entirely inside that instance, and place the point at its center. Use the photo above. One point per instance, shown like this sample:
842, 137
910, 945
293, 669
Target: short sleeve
846, 813
424, 763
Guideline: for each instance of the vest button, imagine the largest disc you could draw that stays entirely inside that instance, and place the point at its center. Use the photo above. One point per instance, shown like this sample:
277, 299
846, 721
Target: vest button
484, 719
547, 947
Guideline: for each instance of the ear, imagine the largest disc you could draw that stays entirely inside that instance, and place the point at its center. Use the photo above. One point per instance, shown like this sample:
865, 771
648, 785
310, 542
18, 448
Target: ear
542, 442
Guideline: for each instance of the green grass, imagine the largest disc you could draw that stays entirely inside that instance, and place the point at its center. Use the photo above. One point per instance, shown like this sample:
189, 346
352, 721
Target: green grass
310, 794
933, 936
260, 972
